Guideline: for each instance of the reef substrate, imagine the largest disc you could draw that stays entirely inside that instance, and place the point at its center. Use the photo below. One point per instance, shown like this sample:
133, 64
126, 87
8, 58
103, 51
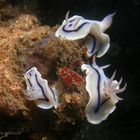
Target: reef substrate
24, 43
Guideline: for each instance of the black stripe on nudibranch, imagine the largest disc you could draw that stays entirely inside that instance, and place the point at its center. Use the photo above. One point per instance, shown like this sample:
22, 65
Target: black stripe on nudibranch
94, 43
29, 73
29, 82
65, 30
90, 59
72, 20
104, 101
41, 88
99, 103
93, 48
98, 89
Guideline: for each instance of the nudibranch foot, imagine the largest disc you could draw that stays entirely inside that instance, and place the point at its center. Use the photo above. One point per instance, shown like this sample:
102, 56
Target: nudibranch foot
39, 91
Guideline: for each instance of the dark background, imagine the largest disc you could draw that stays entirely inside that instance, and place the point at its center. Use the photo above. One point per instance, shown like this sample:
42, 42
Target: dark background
123, 54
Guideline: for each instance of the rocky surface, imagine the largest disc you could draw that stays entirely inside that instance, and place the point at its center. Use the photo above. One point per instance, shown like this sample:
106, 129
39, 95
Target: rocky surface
25, 44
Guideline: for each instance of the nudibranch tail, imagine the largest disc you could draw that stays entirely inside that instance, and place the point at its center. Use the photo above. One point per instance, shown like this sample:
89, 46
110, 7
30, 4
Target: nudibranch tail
39, 91
102, 91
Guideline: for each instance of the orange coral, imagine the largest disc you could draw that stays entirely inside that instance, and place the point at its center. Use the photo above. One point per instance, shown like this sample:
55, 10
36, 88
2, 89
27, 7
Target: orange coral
70, 77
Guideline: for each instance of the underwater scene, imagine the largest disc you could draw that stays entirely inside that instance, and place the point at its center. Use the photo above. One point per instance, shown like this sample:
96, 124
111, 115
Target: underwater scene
69, 70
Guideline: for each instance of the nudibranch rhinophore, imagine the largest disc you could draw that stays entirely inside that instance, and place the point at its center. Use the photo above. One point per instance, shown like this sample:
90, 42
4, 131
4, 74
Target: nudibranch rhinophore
77, 27
39, 91
102, 91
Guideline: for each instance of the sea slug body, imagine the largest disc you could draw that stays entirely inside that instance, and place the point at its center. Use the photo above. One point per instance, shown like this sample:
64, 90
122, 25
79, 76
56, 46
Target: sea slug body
102, 91
92, 31
39, 91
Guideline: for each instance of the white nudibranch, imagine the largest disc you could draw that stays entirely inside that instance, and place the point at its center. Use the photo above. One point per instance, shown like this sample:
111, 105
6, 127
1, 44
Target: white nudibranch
39, 91
92, 31
102, 91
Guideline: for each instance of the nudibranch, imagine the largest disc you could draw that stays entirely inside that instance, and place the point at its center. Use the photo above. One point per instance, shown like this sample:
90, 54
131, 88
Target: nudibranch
39, 91
77, 27
102, 91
